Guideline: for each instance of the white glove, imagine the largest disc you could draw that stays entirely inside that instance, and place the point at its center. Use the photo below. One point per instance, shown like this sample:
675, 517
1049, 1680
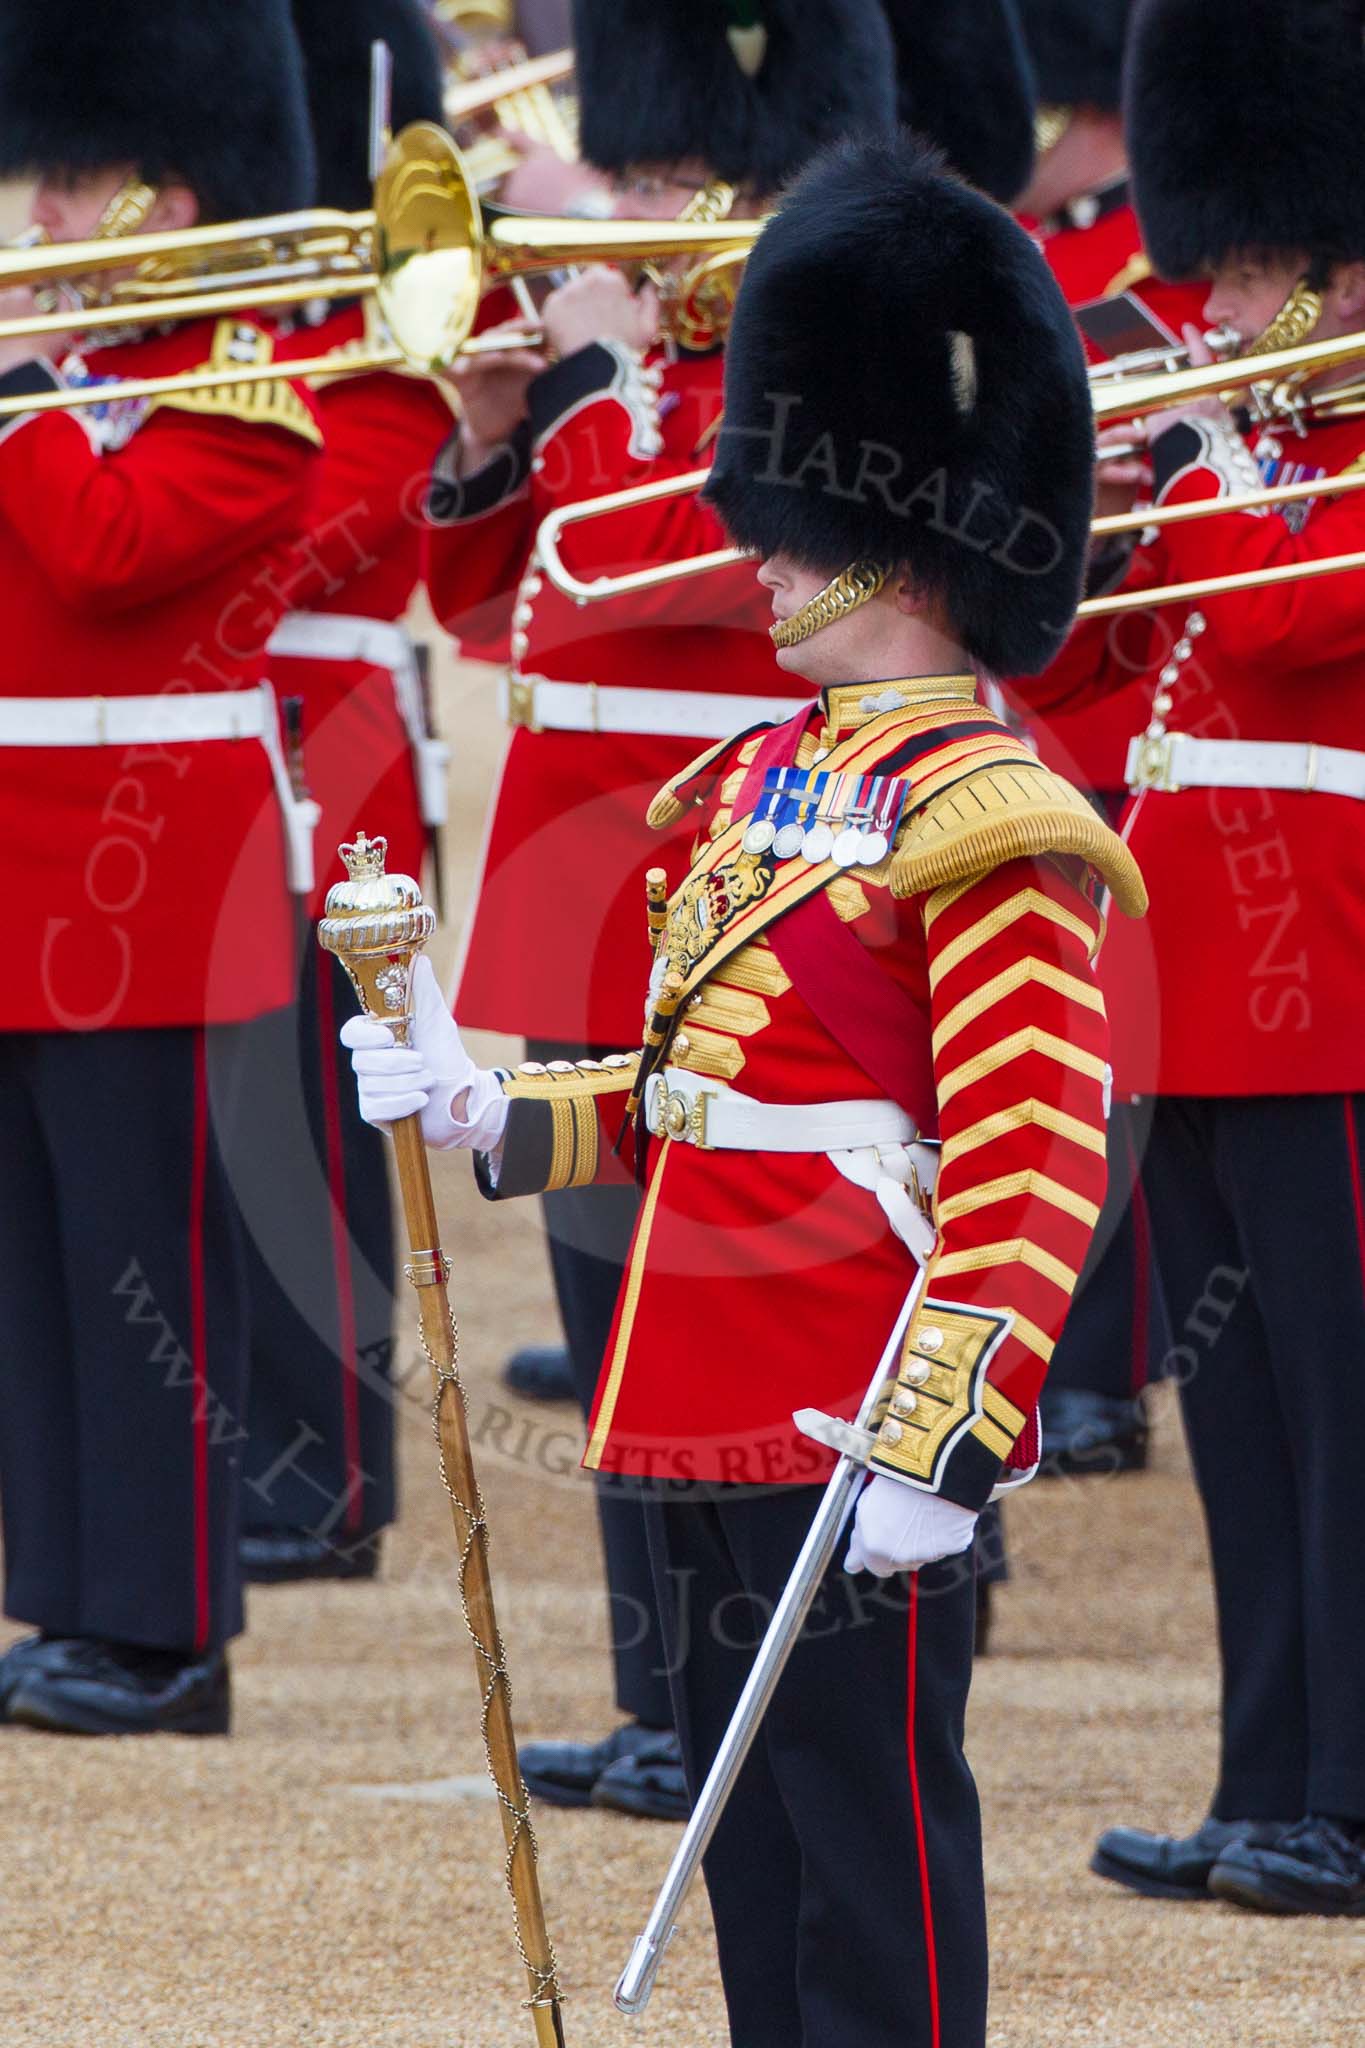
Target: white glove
432, 1076
897, 1528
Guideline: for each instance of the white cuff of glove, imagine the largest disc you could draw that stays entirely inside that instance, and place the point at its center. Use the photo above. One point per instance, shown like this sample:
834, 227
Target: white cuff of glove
898, 1528
427, 1077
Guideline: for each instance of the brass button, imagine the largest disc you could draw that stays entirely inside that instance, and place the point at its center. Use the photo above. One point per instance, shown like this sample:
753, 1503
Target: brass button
904, 1402
930, 1340
560, 1067
675, 1116
532, 1067
917, 1372
682, 1045
890, 1433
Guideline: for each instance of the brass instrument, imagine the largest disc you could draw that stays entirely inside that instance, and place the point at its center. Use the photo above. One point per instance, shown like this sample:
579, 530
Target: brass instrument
516, 98
1224, 342
1281, 372
434, 255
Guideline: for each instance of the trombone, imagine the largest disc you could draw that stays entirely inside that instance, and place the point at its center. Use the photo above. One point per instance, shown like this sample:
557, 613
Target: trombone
1283, 370
434, 256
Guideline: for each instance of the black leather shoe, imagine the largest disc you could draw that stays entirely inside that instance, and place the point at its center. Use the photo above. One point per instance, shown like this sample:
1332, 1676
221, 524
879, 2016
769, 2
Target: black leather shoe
540, 1373
1091, 1434
272, 1557
564, 1773
1174, 1866
119, 1689
649, 1783
31, 1653
1317, 1866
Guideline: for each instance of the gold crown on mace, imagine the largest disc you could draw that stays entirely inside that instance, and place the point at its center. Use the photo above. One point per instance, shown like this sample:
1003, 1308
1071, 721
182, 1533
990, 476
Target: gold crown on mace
364, 857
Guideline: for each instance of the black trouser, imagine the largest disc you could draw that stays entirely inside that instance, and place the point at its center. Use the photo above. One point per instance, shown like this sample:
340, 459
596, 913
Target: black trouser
589, 1233
312, 1182
123, 1355
845, 1875
1260, 1228
1114, 1331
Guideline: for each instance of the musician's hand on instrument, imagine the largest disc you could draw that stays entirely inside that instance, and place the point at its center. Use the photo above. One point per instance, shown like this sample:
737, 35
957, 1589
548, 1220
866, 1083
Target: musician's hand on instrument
492, 392
1211, 408
432, 1077
898, 1528
1121, 477
599, 305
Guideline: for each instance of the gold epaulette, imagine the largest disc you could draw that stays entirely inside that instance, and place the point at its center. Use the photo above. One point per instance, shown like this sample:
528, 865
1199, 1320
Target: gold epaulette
273, 402
1009, 811
667, 807
1136, 270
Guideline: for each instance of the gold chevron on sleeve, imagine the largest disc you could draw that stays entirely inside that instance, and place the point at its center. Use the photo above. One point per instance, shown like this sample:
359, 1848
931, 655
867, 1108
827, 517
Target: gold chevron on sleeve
1000, 919
1006, 983
1012, 1251
1019, 1115
1009, 1186
1001, 1409
1032, 1338
992, 1436
1029, 1039
944, 899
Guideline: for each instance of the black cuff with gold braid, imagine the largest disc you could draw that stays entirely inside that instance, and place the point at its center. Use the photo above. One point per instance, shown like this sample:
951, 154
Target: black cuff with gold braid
940, 1424
553, 1135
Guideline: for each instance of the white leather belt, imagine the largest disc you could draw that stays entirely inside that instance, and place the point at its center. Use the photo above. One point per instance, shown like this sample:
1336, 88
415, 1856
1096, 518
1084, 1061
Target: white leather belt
172, 718
348, 636
698, 1111
545, 706
1176, 760
168, 719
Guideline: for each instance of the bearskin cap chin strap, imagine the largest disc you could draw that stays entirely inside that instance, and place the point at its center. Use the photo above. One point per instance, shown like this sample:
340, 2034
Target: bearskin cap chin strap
847, 592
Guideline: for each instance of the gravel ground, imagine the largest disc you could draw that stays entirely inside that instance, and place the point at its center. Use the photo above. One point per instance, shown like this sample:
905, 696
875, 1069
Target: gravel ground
278, 1891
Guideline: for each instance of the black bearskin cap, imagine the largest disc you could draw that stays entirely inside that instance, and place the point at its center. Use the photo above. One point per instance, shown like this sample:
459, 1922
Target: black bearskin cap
1077, 50
1246, 128
660, 80
904, 384
210, 91
336, 36
965, 84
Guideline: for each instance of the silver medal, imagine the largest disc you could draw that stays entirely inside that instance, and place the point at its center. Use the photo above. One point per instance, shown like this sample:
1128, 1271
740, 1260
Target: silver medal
760, 836
872, 847
818, 844
788, 841
847, 847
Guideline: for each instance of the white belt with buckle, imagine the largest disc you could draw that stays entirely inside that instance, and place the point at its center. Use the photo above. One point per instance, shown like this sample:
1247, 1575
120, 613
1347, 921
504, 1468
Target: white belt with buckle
872, 1144
1176, 760
171, 718
348, 636
544, 706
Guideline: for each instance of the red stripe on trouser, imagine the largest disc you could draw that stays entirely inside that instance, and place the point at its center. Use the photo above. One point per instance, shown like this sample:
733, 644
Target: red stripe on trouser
1357, 1191
199, 1363
341, 1248
926, 1895
1142, 1276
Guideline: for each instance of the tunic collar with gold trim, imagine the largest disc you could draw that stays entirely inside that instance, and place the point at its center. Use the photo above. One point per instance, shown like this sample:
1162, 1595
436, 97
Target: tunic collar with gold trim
850, 706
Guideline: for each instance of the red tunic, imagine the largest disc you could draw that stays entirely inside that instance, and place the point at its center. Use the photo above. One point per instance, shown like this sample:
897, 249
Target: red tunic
760, 1282
1093, 261
144, 555
566, 849
1249, 979
362, 558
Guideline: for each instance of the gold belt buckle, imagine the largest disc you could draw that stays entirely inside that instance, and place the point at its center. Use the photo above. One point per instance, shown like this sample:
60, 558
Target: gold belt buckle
521, 701
1155, 763
685, 1120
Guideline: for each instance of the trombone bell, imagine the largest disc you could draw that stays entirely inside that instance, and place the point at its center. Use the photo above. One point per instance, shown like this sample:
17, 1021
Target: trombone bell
430, 243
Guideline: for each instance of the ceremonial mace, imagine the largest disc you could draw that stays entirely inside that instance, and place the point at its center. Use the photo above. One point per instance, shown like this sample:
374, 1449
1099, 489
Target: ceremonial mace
377, 924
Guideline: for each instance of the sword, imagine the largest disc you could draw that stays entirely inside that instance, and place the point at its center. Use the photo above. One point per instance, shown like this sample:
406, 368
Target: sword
854, 1442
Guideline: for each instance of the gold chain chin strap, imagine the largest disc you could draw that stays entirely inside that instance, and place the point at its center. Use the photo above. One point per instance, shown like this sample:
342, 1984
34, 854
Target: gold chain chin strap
492, 1660
852, 587
1294, 322
126, 212
1049, 126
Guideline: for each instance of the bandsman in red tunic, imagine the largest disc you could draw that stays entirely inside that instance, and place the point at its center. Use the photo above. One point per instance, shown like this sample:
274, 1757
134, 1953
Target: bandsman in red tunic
148, 828
1249, 820
684, 112
318, 1470
875, 1042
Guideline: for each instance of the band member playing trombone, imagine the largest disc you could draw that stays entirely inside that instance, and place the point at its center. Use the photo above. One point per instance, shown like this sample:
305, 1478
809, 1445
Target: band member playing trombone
1249, 821
146, 822
690, 114
318, 1470
884, 938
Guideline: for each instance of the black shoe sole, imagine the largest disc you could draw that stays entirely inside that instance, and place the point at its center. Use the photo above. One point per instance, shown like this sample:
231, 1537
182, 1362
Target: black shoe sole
1263, 1894
31, 1710
292, 1575
550, 1794
1135, 1881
